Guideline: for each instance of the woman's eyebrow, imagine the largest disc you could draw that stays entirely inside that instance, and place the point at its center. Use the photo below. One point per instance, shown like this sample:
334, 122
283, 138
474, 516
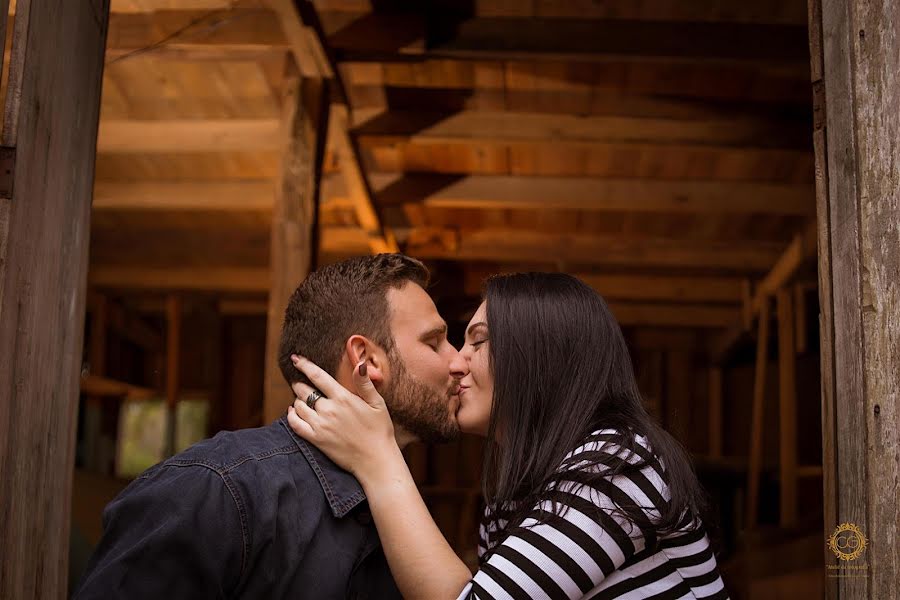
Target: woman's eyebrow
474, 326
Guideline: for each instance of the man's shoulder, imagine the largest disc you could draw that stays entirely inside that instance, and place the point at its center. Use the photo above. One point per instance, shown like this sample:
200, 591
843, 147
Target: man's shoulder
228, 451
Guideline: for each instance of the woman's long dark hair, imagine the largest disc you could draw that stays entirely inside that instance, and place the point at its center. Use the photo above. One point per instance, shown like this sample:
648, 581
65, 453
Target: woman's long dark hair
561, 372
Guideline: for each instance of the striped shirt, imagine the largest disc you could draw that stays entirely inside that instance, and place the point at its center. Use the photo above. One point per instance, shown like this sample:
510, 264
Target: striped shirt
597, 554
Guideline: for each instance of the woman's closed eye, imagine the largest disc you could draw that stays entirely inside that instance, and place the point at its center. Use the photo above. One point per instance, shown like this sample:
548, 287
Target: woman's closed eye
478, 343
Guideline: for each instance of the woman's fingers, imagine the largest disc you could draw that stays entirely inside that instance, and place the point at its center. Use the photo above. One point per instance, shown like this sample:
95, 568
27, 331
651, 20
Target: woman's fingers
365, 386
307, 414
324, 382
302, 390
300, 427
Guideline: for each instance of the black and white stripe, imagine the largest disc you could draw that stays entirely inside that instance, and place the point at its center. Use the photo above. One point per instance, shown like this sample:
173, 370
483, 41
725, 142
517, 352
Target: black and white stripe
596, 554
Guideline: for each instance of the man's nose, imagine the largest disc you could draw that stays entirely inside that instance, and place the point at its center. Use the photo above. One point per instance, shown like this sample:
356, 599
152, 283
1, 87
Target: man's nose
459, 366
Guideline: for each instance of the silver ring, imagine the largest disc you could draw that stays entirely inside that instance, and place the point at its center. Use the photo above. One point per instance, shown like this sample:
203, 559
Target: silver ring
313, 398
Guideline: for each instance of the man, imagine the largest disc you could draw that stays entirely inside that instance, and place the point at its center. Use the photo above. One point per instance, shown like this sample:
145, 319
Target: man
258, 513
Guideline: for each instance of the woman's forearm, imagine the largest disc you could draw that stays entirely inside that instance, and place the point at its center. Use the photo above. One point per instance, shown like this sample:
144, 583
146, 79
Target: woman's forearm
422, 562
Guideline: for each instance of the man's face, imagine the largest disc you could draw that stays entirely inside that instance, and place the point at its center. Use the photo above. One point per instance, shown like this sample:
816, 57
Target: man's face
423, 390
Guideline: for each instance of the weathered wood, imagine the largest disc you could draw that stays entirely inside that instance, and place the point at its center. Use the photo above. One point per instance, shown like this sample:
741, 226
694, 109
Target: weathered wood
638, 287
756, 420
467, 127
493, 192
157, 195
673, 315
382, 239
43, 296
173, 136
517, 246
293, 221
787, 409
861, 227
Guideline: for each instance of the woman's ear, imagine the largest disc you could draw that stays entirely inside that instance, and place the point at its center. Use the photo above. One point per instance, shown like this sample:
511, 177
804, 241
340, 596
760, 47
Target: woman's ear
360, 348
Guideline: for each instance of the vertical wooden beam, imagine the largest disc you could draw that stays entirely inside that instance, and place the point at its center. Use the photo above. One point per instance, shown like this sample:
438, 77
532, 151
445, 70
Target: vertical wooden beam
174, 307
43, 297
858, 228
787, 409
715, 412
305, 116
758, 413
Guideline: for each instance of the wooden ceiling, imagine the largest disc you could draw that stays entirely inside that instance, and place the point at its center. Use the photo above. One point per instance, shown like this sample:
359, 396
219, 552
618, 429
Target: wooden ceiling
660, 148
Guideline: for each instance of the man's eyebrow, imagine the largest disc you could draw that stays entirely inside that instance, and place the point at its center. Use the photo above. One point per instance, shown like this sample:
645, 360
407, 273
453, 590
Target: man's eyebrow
474, 326
439, 330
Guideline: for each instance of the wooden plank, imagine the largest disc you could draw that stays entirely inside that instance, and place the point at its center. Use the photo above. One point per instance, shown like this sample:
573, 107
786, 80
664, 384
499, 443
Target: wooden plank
590, 194
374, 36
638, 287
293, 222
801, 250
517, 246
43, 297
171, 196
672, 315
465, 127
302, 40
861, 79
183, 136
754, 459
787, 409
205, 279
381, 238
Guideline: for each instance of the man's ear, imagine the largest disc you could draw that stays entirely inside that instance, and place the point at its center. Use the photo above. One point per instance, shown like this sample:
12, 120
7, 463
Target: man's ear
360, 348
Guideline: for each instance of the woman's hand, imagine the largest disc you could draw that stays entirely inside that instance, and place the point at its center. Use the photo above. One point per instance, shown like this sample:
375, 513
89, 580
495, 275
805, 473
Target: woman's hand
355, 432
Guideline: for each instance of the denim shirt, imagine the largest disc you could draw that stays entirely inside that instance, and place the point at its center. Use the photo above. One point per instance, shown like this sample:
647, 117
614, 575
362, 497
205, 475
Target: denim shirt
255, 513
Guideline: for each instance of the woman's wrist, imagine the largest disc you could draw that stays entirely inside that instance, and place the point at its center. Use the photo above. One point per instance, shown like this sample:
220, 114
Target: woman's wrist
382, 467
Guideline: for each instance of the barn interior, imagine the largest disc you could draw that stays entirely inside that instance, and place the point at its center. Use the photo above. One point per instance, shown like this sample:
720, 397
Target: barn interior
660, 150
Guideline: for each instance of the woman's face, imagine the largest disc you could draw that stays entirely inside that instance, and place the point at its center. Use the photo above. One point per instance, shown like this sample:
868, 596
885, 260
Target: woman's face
477, 388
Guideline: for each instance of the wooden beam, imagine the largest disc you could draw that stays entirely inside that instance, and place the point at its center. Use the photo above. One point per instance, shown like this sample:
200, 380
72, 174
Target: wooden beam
382, 239
858, 266
190, 135
170, 196
800, 251
42, 302
305, 119
503, 192
787, 409
638, 287
305, 47
466, 127
517, 246
376, 36
672, 315
200, 279
757, 418
368, 36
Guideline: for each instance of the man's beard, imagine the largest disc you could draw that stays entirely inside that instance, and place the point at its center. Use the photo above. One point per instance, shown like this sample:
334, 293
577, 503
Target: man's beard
419, 409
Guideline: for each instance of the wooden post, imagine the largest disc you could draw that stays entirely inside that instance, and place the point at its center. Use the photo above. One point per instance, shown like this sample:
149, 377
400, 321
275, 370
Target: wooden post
293, 219
787, 408
756, 423
61, 45
855, 48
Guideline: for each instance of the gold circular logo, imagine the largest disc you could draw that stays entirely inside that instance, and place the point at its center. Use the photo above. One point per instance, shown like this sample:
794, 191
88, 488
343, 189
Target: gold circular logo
847, 542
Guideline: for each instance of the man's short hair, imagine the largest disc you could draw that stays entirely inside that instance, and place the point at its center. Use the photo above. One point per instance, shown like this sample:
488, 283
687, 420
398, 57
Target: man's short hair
340, 300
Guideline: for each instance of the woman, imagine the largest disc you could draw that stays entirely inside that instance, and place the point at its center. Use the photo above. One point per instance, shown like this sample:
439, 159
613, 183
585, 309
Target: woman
586, 496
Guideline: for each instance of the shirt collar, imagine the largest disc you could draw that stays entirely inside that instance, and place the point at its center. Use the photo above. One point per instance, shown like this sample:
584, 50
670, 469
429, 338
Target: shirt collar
341, 488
